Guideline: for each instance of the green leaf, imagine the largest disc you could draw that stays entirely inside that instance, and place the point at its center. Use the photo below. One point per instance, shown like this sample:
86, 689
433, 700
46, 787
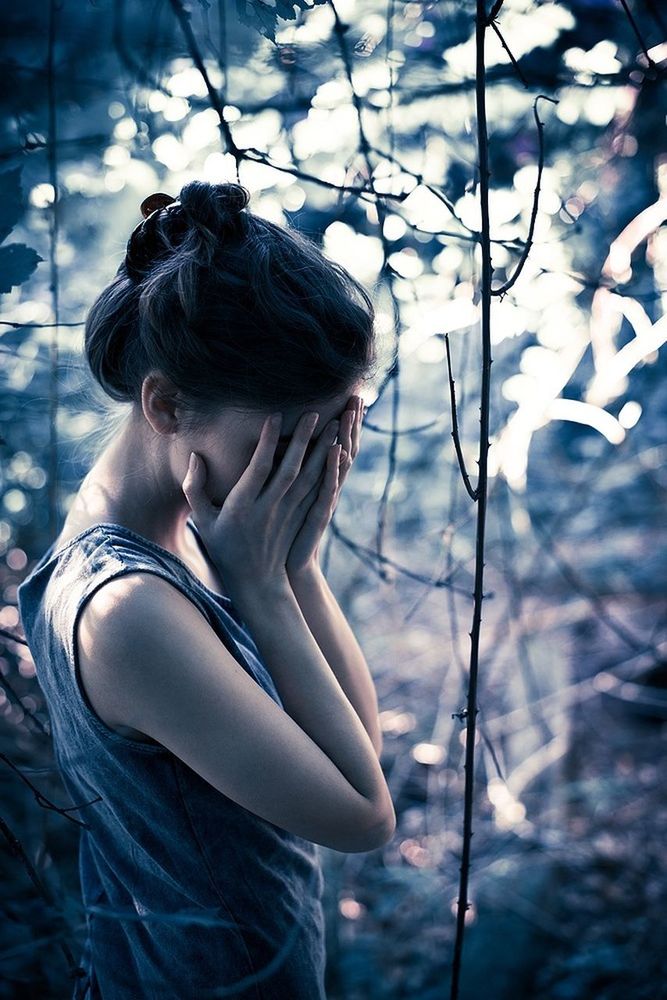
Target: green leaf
17, 262
11, 202
264, 16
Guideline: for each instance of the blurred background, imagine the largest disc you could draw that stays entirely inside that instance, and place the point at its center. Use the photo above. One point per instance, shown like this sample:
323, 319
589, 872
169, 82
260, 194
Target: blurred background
355, 122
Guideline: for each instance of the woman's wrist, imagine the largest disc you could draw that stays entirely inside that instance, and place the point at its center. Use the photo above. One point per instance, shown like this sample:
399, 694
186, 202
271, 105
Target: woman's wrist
249, 593
305, 574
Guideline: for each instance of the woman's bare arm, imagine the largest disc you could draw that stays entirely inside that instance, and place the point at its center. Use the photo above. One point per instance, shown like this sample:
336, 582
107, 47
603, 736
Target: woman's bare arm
310, 690
149, 659
339, 645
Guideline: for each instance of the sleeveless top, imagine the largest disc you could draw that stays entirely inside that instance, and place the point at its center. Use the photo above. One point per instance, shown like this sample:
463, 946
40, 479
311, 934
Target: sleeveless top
186, 892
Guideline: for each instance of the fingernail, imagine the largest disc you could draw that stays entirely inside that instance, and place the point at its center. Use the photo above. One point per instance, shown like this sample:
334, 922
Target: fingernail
192, 464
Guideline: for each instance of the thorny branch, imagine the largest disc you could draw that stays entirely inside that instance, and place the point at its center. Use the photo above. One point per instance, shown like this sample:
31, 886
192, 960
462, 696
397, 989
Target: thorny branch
536, 197
481, 491
504, 44
455, 426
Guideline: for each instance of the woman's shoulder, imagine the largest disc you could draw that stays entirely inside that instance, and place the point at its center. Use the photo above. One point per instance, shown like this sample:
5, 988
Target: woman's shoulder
73, 529
89, 553
123, 606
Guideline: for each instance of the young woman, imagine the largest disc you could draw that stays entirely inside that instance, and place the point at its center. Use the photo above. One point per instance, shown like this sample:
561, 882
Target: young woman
213, 717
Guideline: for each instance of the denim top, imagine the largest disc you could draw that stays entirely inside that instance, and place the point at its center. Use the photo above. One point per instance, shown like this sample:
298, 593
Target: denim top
186, 892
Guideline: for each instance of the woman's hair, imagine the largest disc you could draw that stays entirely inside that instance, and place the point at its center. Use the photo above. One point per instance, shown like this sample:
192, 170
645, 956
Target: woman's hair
232, 308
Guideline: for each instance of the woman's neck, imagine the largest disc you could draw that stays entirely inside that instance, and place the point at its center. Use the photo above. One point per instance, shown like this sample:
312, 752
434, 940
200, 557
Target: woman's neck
131, 483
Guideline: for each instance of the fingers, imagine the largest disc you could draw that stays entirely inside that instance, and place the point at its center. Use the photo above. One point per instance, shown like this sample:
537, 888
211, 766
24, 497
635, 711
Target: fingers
320, 513
350, 435
315, 464
346, 424
351, 426
320, 469
356, 430
193, 488
258, 470
290, 467
331, 481
310, 496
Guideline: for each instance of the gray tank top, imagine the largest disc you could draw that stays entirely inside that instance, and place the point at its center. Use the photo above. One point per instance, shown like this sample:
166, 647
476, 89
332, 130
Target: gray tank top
186, 893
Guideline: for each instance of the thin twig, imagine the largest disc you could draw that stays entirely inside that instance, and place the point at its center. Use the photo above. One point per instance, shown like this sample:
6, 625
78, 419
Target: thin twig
16, 848
27, 712
509, 53
635, 642
41, 326
493, 13
635, 28
455, 426
45, 803
183, 17
536, 197
394, 371
369, 556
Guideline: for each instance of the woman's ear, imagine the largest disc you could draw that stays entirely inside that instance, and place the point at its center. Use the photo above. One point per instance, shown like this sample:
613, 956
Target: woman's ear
159, 402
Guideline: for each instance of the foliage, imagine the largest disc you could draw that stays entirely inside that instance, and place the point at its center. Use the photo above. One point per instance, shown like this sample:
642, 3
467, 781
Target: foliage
263, 16
17, 261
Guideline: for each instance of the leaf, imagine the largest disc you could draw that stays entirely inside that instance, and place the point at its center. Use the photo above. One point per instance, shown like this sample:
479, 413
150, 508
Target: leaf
11, 203
17, 262
264, 16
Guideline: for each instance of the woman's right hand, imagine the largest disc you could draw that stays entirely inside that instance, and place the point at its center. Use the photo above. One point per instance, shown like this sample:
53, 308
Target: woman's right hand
250, 536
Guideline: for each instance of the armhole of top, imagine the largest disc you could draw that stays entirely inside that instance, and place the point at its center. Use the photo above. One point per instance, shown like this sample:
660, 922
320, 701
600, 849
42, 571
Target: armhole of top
93, 718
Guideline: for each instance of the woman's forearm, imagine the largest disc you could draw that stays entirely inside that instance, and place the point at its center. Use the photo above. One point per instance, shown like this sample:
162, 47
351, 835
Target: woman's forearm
310, 692
338, 643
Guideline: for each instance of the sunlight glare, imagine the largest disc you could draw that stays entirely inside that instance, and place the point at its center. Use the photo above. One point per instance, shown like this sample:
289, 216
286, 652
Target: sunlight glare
630, 414
202, 129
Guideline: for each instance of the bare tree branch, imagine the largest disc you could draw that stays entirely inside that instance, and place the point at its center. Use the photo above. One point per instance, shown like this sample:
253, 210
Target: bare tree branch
635, 28
504, 44
536, 197
45, 803
481, 492
455, 426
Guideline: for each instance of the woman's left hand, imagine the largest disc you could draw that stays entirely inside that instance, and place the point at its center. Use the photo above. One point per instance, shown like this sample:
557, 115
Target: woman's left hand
319, 504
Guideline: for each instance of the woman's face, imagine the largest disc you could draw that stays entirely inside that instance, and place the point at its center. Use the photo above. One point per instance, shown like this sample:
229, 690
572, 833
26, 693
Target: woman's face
229, 440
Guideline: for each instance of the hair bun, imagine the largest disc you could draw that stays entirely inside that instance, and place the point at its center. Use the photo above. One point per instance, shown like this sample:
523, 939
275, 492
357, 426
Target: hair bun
207, 210
234, 197
212, 206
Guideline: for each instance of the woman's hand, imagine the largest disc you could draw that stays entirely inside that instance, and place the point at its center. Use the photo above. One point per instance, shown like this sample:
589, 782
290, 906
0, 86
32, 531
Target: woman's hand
304, 553
250, 536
